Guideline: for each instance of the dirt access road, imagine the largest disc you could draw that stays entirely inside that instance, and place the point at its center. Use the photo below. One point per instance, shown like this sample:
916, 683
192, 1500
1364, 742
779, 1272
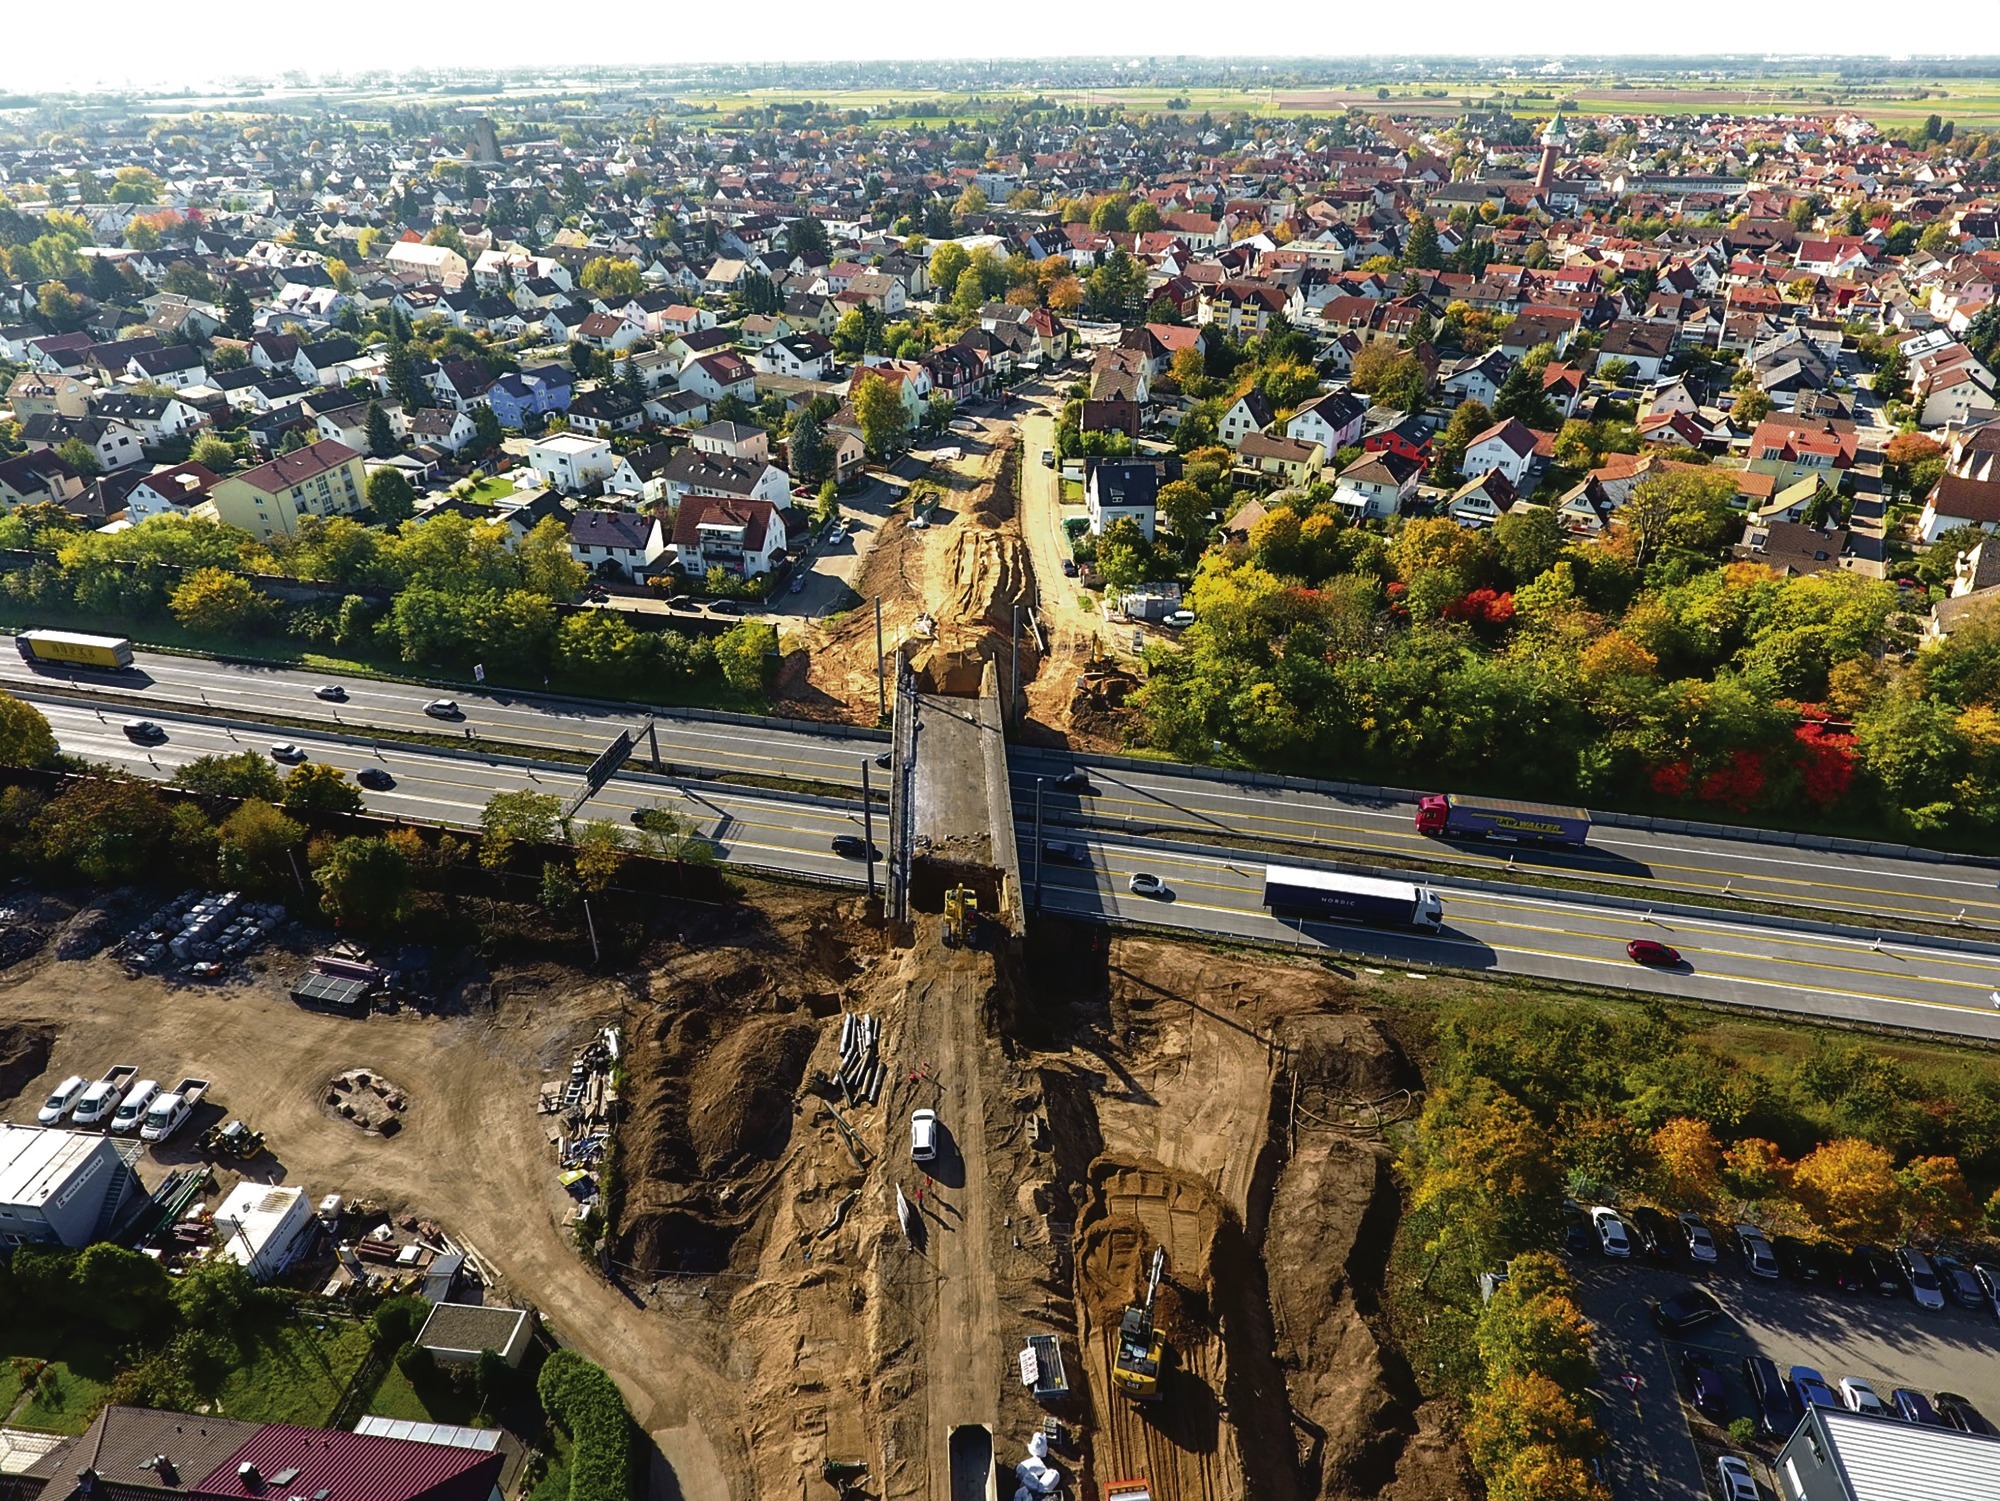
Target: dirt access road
471, 1155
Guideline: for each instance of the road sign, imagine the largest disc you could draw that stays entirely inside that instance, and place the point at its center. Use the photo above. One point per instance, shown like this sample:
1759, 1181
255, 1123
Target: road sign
1631, 1381
608, 761
478, 672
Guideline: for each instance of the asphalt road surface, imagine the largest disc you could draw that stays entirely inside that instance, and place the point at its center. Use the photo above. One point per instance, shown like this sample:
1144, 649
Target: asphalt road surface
1750, 962
534, 721
1183, 805
430, 785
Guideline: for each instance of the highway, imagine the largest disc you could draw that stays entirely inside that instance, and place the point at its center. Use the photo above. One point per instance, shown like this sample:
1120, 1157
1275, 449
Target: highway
1911, 984
1182, 804
1905, 984
437, 787
1170, 802
499, 717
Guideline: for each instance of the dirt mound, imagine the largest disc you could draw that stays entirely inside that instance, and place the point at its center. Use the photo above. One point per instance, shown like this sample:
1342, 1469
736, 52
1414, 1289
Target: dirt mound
24, 1055
740, 1093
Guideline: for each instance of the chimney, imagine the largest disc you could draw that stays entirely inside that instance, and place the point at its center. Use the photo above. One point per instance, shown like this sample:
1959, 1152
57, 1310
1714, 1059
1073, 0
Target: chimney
164, 1468
247, 1473
86, 1481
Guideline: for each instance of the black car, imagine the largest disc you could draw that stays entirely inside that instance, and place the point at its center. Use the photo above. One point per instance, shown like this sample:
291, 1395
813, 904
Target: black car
1961, 1414
886, 759
1075, 781
144, 731
375, 777
1704, 1385
1687, 1309
1885, 1278
1798, 1259
854, 847
1657, 1236
1851, 1274
1777, 1408
1960, 1285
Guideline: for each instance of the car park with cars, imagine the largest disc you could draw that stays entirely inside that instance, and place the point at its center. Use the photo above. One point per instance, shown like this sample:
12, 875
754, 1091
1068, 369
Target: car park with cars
1959, 1283
1611, 1233
1797, 1259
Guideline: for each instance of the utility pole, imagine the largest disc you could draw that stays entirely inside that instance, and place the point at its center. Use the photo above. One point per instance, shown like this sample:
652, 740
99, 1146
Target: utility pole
881, 675
596, 954
868, 823
653, 739
1040, 784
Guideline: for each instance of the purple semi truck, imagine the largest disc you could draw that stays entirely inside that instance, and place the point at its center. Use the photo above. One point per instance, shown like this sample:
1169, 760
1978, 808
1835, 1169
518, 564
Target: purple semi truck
1452, 816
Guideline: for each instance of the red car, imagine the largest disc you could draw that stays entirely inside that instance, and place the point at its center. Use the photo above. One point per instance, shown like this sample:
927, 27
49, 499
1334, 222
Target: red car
1648, 952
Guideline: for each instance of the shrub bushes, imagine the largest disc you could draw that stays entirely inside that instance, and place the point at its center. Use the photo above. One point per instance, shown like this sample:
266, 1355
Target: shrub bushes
586, 1403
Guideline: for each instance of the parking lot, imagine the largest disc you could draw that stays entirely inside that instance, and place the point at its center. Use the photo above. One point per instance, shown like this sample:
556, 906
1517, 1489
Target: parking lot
1661, 1448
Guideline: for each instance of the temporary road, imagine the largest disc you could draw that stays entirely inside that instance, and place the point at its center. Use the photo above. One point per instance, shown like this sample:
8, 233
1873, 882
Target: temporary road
1183, 804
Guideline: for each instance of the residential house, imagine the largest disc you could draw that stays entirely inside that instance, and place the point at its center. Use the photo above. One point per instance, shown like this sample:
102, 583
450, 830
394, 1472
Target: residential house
736, 440
154, 418
443, 428
1483, 499
418, 262
1333, 421
1790, 450
461, 384
1297, 461
744, 537
641, 474
571, 462
609, 333
1795, 549
616, 544
116, 445
1376, 485
600, 413
1117, 490
698, 471
321, 479
1956, 501
1249, 413
172, 365
172, 491
1476, 378
800, 356
326, 362
1646, 347
714, 376
523, 399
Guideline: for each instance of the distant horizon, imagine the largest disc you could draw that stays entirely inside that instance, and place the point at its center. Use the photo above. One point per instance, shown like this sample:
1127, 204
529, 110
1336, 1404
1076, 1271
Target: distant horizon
234, 43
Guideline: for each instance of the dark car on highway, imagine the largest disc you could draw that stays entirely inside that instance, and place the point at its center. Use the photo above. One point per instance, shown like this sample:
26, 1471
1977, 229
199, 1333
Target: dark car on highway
1075, 781
854, 847
1687, 1309
375, 777
144, 731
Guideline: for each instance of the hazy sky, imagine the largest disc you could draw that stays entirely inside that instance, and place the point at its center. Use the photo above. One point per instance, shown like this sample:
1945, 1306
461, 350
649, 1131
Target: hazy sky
136, 41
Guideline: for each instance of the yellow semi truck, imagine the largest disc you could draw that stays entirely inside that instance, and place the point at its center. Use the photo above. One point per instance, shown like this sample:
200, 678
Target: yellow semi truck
73, 649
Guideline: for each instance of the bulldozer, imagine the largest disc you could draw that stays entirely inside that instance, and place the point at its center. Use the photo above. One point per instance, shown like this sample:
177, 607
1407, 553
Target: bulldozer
1142, 1349
961, 917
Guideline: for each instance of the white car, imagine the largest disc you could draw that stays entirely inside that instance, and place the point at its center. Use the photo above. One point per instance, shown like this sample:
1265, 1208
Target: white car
1860, 1397
1145, 884
1700, 1242
1611, 1232
923, 1135
62, 1101
284, 750
442, 708
333, 693
1738, 1484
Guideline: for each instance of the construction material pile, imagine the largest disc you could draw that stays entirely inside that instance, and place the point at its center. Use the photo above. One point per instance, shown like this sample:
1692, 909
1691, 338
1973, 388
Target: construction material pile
860, 1076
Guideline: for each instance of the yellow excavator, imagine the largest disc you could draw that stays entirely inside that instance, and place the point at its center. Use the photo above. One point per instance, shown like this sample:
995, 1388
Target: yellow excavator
1142, 1349
961, 917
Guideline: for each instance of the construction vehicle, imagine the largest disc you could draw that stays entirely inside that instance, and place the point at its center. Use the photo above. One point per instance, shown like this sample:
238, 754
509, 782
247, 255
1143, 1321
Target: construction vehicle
1129, 1490
235, 1141
961, 917
1142, 1349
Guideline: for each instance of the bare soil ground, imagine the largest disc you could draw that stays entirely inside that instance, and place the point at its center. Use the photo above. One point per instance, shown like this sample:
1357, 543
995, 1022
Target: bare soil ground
966, 572
764, 1311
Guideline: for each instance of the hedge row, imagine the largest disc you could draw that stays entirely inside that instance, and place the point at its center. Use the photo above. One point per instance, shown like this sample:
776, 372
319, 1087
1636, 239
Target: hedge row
586, 1403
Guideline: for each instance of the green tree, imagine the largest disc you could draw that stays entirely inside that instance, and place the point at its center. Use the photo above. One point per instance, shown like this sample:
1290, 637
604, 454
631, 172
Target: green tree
213, 452
1468, 420
1421, 250
511, 819
547, 568
948, 263
612, 279
315, 787
112, 830
80, 456
122, 1289
244, 774
214, 600
806, 449
25, 736
747, 654
381, 437
1186, 509
878, 407
489, 430
390, 497
1143, 218
1520, 395
255, 845
1529, 543
365, 882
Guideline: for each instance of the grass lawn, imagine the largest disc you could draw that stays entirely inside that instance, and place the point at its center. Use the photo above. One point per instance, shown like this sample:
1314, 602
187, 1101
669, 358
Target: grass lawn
492, 488
297, 1371
82, 1366
441, 1401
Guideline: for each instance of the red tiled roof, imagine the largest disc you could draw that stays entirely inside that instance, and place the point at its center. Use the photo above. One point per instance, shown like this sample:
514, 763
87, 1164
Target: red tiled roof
352, 1467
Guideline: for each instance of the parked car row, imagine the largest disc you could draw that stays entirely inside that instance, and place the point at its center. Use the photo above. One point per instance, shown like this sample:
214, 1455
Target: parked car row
121, 1103
1778, 1400
1929, 1281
